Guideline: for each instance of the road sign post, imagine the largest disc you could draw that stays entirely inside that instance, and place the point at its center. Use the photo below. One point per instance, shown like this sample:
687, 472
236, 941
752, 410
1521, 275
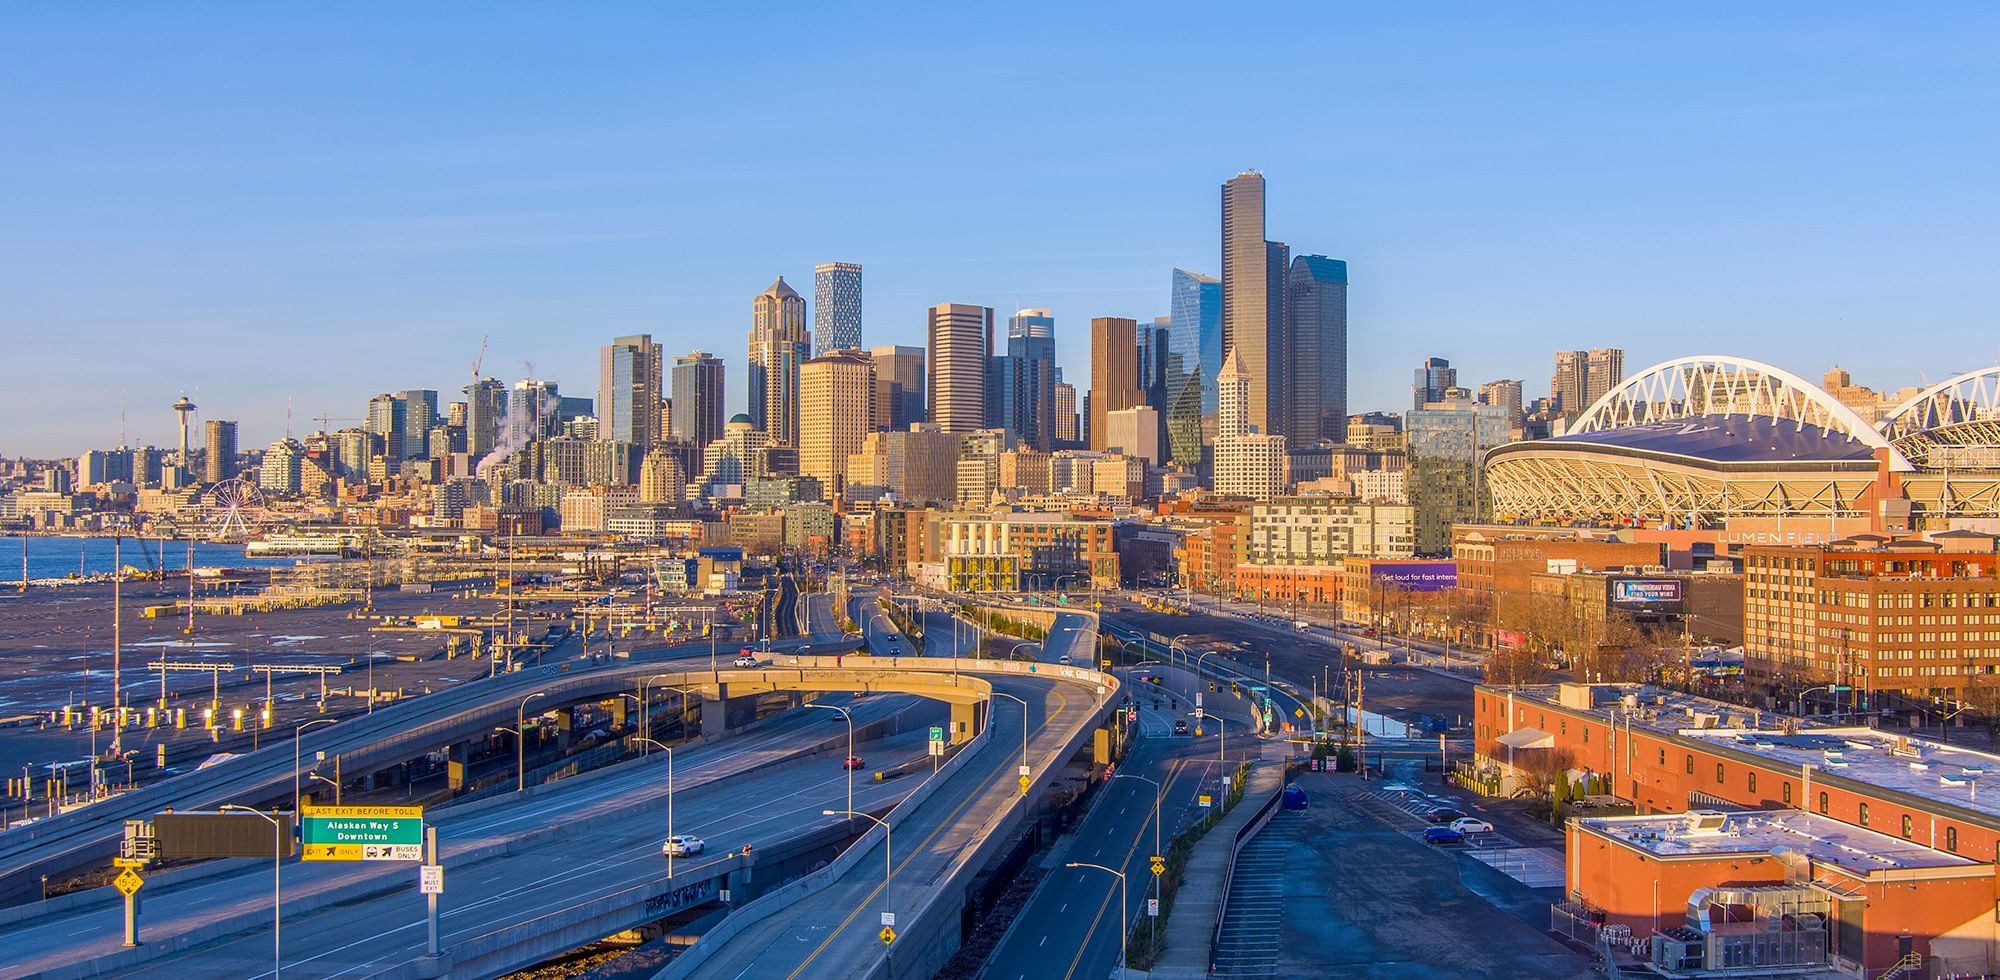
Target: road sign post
362, 833
431, 883
128, 883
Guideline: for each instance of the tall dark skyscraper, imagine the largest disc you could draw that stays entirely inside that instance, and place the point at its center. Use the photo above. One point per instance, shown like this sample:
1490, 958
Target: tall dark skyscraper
628, 391
1195, 325
1316, 350
220, 464
1026, 379
1114, 372
1432, 381
485, 412
1253, 297
1159, 371
698, 392
836, 307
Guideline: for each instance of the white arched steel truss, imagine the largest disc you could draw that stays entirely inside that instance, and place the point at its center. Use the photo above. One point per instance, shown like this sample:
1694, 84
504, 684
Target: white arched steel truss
1715, 384
1963, 411
1578, 482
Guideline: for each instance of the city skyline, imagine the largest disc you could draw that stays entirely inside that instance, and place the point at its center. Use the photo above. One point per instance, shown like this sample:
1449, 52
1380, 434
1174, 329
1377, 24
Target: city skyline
424, 228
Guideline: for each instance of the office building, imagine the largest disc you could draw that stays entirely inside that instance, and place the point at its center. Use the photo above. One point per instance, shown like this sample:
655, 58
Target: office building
698, 399
1195, 337
278, 476
1253, 307
1315, 357
961, 341
915, 465
836, 395
779, 343
1248, 463
485, 413
628, 390
1114, 371
220, 463
1135, 432
1434, 381
1583, 376
837, 306
1447, 441
899, 386
1504, 394
1605, 368
1065, 427
1026, 376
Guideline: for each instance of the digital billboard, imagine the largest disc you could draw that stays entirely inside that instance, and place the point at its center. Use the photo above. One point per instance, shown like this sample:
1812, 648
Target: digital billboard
1416, 576
1645, 592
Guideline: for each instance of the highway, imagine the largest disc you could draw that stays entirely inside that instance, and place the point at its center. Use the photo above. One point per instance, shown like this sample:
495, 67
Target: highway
738, 792
835, 930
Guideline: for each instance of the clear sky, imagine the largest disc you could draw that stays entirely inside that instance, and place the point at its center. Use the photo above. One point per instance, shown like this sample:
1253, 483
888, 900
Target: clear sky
251, 202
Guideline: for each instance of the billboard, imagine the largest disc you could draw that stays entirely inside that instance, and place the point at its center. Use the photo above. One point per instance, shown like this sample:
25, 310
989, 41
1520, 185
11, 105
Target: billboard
1415, 576
1645, 592
220, 835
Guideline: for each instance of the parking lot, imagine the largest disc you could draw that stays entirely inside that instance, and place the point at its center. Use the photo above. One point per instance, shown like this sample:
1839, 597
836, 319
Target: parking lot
1346, 887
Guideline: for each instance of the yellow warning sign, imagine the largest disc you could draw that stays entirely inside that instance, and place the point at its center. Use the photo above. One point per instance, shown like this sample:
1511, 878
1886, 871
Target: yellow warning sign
1024, 785
128, 882
888, 935
1159, 865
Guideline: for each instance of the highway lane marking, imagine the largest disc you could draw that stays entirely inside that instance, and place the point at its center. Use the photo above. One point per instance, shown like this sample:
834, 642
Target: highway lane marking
649, 852
1139, 834
1061, 708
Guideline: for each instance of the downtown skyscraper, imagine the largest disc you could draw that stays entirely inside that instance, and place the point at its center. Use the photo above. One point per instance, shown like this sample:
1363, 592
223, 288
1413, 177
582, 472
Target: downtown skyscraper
1114, 372
1315, 358
1253, 298
1023, 380
836, 307
1195, 335
961, 341
779, 343
698, 390
628, 391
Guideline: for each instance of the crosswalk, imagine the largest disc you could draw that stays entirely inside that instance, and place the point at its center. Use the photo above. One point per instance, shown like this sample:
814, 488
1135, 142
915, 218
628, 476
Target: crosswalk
1254, 910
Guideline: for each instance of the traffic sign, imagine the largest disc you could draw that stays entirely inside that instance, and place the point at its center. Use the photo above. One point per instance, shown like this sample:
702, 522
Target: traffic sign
1159, 865
1153, 907
937, 733
128, 882
937, 746
1024, 785
1205, 800
888, 935
430, 879
889, 919
362, 833
1025, 771
128, 862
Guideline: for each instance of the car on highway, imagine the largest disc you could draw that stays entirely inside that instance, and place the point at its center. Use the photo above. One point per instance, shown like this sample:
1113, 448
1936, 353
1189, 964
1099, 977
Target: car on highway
747, 661
1471, 825
683, 845
1064, 659
851, 762
1442, 835
1180, 727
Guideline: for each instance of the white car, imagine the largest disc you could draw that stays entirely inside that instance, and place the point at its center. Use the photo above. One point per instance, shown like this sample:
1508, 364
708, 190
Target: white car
747, 661
1471, 825
683, 845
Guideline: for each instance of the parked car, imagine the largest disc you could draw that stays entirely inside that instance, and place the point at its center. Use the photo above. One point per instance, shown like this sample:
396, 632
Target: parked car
683, 845
1442, 835
851, 762
1471, 825
747, 661
1443, 814
1295, 797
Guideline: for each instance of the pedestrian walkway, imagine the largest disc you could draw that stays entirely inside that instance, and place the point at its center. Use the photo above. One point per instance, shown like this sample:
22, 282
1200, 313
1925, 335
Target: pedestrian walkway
1248, 946
1199, 905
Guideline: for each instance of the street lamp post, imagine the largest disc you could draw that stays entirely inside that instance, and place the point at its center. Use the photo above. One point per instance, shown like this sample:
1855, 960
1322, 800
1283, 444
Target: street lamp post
888, 854
1800, 700
277, 884
1158, 792
1124, 913
1176, 642
849, 769
296, 732
521, 743
670, 800
1018, 646
329, 782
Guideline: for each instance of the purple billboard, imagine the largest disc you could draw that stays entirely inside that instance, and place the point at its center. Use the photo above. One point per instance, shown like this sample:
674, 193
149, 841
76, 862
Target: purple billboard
1415, 576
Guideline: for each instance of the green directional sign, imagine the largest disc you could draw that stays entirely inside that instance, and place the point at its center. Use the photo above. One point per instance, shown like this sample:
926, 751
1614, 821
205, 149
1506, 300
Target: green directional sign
361, 833
937, 733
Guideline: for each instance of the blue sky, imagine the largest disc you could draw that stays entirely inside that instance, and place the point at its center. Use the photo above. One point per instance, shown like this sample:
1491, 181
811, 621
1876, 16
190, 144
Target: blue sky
254, 202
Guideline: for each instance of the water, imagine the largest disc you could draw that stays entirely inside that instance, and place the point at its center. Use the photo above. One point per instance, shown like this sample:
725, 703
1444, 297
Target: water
57, 557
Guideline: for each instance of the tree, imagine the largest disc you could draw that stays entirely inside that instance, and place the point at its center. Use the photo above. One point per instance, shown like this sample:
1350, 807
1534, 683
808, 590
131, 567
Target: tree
1982, 696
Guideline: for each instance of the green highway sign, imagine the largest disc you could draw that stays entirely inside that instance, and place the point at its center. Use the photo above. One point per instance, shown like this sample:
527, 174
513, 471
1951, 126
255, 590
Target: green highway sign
361, 833
937, 733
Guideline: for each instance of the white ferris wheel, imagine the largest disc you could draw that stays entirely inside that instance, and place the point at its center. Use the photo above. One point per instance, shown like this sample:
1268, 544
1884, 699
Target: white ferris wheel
230, 508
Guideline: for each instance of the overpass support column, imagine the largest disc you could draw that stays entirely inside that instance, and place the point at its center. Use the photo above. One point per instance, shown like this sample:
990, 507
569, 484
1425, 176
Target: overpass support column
566, 728
965, 721
618, 712
457, 764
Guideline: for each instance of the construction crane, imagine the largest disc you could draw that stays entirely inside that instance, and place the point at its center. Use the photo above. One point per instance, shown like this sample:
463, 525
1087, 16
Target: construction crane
481, 359
326, 421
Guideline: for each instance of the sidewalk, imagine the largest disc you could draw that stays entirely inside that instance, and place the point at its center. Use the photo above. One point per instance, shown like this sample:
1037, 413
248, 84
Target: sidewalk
1198, 905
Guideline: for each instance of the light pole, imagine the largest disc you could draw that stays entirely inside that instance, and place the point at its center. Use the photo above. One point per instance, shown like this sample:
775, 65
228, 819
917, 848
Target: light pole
1800, 700
1018, 646
1158, 792
296, 732
844, 763
1024, 734
329, 782
277, 884
888, 854
521, 743
1176, 642
1124, 912
670, 801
